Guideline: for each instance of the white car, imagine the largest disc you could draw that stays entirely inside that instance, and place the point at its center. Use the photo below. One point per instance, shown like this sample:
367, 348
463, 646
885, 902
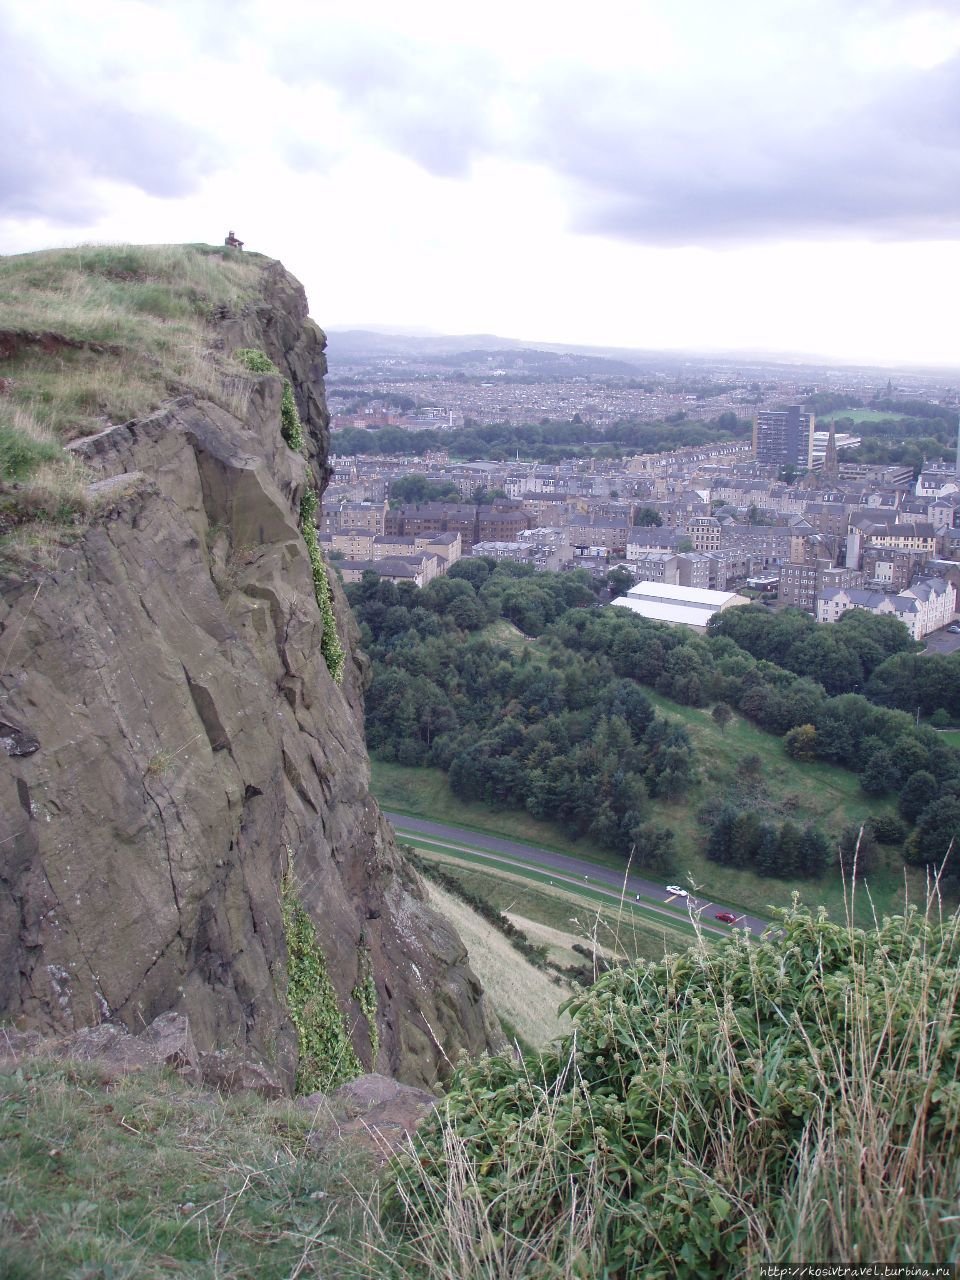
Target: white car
675, 888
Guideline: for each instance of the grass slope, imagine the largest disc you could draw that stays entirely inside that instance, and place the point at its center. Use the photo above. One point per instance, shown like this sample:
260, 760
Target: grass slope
116, 330
524, 996
569, 914
148, 1177
858, 415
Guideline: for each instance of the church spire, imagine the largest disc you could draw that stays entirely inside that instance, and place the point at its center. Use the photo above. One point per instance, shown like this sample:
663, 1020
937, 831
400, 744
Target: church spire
831, 467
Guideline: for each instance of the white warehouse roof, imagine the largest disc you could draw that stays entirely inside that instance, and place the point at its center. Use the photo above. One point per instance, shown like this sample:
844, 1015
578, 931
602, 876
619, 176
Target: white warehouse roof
669, 592
665, 602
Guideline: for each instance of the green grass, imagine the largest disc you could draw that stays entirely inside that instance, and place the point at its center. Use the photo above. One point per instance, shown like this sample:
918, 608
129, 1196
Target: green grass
505, 633
859, 415
951, 737
123, 328
424, 793
142, 312
148, 1177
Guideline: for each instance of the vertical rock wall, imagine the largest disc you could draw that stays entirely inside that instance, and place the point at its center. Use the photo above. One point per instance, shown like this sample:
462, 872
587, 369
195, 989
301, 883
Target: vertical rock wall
190, 747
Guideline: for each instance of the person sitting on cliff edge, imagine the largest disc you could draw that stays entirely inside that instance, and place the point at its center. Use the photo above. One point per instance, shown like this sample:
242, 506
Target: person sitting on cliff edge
232, 242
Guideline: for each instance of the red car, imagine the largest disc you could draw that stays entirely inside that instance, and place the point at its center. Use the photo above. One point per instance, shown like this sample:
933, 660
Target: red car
726, 916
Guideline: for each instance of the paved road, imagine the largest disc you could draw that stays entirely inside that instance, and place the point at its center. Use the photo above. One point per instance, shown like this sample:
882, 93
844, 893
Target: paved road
572, 869
942, 642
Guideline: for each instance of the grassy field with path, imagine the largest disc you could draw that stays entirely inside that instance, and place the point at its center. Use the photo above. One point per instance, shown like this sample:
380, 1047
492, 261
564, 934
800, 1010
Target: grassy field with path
569, 914
782, 789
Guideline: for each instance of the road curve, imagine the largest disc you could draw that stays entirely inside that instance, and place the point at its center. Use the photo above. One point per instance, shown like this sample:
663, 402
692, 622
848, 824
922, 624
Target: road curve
574, 869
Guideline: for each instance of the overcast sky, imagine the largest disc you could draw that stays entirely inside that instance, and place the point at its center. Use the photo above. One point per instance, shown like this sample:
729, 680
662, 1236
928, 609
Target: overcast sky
776, 174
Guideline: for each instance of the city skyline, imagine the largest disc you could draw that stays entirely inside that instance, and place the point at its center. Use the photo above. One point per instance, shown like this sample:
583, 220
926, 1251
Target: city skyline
775, 178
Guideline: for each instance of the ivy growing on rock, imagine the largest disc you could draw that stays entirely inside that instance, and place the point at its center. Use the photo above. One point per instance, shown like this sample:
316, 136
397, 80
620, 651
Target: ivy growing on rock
330, 646
365, 994
327, 1058
291, 428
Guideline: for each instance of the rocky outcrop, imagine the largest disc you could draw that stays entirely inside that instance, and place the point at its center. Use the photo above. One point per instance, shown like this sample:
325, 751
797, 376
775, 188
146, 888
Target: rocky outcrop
173, 745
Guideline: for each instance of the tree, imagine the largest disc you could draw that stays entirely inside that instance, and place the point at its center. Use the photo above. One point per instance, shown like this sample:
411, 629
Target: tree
652, 849
751, 766
919, 790
619, 581
888, 828
937, 833
767, 860
721, 716
858, 851
789, 850
879, 776
719, 843
745, 838
801, 743
647, 517
420, 488
814, 852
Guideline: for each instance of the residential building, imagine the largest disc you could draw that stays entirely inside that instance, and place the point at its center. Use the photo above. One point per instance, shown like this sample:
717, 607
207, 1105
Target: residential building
866, 531
705, 533
922, 608
418, 569
891, 568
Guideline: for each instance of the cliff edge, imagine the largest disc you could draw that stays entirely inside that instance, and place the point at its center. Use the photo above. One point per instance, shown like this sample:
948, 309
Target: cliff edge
174, 749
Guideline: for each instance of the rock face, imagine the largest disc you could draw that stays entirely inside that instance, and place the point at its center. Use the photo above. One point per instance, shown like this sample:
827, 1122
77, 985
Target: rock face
172, 743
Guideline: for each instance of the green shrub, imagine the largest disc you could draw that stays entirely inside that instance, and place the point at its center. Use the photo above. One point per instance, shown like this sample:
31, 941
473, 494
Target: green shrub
330, 646
291, 427
888, 828
255, 361
739, 1103
327, 1058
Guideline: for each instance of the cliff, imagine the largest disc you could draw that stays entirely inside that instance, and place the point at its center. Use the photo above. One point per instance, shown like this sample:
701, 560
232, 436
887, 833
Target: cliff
174, 746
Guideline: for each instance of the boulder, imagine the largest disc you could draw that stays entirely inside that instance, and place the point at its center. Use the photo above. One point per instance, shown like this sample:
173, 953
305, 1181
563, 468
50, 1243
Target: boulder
230, 1072
375, 1114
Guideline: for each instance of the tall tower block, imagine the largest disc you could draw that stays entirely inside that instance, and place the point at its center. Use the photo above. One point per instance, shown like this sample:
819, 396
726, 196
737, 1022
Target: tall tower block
784, 437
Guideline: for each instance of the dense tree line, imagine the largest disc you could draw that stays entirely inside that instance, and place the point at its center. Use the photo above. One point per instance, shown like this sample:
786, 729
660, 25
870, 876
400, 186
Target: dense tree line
546, 441
891, 753
915, 433
554, 732
740, 838
566, 731
842, 657
420, 488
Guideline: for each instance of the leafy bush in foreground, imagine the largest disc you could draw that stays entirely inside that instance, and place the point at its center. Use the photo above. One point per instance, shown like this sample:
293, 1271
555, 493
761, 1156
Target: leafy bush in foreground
737, 1103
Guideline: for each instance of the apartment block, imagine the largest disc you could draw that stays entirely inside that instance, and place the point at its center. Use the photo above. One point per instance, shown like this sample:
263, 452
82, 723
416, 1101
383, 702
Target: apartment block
784, 437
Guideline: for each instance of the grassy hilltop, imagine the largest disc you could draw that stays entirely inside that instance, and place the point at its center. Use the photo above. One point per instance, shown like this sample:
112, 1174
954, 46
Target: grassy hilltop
94, 336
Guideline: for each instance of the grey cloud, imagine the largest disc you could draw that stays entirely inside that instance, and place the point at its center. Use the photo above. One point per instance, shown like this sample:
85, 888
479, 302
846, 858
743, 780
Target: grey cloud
884, 168
735, 151
60, 136
432, 109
